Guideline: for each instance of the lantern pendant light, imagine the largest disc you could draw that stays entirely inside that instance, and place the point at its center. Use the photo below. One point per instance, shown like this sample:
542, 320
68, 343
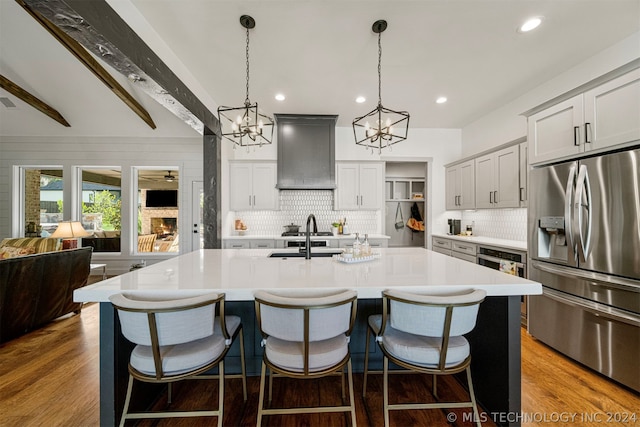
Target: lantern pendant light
246, 126
381, 127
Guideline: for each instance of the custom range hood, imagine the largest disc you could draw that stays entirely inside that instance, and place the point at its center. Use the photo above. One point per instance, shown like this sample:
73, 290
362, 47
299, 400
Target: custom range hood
306, 151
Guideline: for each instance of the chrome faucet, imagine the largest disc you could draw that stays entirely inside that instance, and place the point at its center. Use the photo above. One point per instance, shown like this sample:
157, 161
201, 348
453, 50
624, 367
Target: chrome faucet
308, 235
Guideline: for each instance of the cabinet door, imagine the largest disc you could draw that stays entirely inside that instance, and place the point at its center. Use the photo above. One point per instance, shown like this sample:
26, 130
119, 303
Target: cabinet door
370, 180
265, 194
507, 178
467, 199
556, 132
347, 192
485, 189
612, 112
452, 187
524, 168
240, 186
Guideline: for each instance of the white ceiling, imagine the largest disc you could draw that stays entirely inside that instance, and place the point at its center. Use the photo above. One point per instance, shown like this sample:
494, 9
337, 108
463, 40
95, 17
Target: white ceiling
320, 54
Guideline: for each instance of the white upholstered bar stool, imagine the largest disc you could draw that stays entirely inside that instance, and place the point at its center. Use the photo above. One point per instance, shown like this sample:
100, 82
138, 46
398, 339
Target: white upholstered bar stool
177, 338
305, 336
424, 333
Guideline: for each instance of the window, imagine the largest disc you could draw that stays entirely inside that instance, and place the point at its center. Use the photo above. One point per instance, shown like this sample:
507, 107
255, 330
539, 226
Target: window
158, 210
102, 208
42, 201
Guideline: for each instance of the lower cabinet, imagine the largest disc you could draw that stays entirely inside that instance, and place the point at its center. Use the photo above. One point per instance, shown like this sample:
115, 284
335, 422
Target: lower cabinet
374, 243
455, 248
249, 244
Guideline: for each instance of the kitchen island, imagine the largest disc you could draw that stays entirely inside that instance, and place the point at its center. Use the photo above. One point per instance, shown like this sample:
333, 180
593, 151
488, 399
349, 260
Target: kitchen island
495, 341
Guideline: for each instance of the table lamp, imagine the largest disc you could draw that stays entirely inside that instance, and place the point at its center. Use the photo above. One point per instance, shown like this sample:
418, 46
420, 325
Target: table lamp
69, 231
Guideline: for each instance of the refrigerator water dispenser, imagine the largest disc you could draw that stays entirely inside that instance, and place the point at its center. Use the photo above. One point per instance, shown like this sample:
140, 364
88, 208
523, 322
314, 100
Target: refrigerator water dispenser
552, 241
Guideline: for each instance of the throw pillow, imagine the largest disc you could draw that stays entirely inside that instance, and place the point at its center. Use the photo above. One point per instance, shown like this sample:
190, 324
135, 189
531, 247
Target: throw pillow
12, 252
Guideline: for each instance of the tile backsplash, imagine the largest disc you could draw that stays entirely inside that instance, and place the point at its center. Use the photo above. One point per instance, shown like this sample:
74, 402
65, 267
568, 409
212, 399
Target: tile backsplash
510, 224
295, 207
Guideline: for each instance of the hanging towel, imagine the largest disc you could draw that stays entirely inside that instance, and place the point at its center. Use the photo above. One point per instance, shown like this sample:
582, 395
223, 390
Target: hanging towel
415, 223
509, 267
399, 220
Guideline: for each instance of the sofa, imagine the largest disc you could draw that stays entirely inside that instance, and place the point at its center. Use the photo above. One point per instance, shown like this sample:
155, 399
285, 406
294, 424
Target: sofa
37, 288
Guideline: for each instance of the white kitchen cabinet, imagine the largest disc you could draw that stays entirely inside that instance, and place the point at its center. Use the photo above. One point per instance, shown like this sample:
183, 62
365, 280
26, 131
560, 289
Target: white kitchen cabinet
455, 248
612, 112
253, 186
460, 186
605, 116
524, 168
373, 242
359, 186
249, 243
498, 179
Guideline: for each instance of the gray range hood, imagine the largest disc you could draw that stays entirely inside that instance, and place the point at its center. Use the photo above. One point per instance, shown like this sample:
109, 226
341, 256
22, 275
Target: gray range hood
306, 151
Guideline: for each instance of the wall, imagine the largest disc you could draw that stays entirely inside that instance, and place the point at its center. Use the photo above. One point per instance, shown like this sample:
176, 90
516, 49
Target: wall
506, 124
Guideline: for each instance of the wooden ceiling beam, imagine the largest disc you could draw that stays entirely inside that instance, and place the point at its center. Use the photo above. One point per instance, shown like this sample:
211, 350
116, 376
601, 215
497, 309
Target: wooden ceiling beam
89, 61
36, 103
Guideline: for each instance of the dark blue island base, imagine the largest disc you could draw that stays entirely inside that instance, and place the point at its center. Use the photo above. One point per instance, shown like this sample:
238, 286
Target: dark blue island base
495, 349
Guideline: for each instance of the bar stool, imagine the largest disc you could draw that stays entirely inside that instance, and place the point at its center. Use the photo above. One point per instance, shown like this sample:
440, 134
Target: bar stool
177, 338
424, 333
305, 336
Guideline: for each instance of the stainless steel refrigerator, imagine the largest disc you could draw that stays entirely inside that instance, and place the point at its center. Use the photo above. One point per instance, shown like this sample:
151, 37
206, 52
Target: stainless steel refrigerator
584, 247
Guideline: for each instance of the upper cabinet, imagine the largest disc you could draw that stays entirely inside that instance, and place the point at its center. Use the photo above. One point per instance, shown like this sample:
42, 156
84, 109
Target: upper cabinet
524, 167
602, 117
359, 186
252, 186
498, 179
460, 186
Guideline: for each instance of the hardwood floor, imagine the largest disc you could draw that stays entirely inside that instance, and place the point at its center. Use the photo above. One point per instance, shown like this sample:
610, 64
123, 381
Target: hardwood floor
50, 377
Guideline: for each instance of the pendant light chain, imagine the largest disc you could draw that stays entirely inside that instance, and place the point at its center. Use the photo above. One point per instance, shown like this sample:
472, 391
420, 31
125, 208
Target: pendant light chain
379, 69
246, 101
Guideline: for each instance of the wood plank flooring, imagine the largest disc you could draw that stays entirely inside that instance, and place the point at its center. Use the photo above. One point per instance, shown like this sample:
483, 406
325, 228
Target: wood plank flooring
50, 377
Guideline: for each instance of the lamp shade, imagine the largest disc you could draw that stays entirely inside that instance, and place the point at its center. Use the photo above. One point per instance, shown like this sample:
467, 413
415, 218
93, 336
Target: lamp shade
69, 230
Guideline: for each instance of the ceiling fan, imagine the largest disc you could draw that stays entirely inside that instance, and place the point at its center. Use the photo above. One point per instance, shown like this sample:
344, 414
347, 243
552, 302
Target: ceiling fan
169, 177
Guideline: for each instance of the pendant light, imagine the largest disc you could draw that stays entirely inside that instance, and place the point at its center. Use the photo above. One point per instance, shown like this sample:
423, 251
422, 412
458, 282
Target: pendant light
246, 126
381, 127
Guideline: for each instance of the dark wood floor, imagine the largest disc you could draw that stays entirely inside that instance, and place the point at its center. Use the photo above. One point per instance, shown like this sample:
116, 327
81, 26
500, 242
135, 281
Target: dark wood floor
50, 377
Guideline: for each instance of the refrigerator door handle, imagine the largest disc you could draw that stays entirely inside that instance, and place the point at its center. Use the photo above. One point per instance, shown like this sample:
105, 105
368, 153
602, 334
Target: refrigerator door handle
568, 204
593, 308
584, 187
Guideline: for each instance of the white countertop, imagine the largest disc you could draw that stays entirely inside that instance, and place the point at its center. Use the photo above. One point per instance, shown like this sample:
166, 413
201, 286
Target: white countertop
490, 241
240, 272
279, 237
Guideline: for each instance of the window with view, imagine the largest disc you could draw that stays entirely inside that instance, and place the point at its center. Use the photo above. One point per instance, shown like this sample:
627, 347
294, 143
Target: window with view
102, 208
42, 201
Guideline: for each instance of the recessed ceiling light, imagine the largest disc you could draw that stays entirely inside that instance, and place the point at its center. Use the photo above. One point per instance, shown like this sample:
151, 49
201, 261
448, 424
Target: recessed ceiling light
530, 24
360, 99
441, 100
280, 97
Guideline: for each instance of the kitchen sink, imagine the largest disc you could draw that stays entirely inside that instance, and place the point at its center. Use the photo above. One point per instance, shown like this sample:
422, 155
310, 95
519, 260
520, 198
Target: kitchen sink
323, 254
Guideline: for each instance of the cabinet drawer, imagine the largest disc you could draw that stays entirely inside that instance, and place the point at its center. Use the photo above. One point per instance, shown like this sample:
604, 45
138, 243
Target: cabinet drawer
467, 248
236, 244
262, 244
441, 243
442, 251
470, 258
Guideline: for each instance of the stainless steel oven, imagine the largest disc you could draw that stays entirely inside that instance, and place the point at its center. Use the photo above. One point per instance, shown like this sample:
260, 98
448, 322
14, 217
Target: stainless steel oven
508, 262
302, 243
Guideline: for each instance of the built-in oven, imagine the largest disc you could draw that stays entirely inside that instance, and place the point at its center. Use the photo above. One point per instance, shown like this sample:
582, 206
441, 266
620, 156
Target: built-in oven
510, 262
303, 243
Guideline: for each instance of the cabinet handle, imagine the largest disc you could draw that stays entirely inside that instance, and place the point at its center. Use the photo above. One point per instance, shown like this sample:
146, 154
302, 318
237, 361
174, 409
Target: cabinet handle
587, 131
495, 197
249, 199
576, 135
490, 196
361, 200
522, 194
254, 200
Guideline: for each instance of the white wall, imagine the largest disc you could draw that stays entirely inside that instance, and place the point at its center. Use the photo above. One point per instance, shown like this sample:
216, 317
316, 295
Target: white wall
506, 124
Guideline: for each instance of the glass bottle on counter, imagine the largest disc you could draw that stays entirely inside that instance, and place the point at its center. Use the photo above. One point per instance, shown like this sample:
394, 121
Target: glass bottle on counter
357, 246
366, 247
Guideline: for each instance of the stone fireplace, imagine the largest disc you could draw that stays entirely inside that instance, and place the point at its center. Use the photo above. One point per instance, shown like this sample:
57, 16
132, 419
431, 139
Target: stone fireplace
163, 227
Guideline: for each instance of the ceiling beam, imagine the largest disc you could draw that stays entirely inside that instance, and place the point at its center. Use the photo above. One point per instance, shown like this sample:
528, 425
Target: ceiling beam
97, 27
36, 103
89, 61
